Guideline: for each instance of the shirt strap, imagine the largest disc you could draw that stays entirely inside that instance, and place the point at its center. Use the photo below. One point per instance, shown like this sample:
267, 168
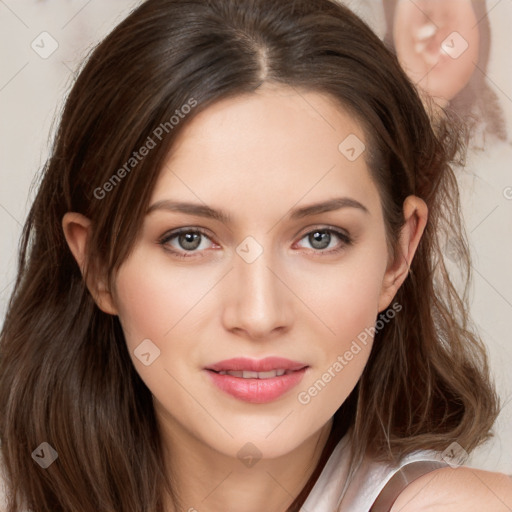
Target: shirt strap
400, 480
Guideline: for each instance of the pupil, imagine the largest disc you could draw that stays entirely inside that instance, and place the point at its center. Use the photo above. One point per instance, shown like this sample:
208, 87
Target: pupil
320, 239
190, 240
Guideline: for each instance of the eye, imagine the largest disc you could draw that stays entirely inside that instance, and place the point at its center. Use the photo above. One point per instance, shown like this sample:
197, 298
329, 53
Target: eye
189, 242
321, 239
184, 240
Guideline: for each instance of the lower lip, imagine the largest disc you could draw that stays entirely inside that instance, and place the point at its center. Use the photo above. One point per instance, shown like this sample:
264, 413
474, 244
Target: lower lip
257, 391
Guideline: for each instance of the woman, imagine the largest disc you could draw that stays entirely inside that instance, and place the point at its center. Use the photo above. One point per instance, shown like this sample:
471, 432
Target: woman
231, 294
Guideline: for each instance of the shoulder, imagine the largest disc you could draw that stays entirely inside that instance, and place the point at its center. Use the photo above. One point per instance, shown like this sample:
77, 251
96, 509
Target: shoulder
453, 489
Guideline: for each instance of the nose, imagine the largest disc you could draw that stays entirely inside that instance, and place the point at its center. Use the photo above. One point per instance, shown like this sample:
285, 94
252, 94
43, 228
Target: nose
258, 303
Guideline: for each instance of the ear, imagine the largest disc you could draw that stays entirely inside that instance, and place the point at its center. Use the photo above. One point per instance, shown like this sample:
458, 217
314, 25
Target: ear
415, 215
437, 45
77, 229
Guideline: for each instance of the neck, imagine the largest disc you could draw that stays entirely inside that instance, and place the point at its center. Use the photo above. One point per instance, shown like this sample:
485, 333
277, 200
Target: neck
205, 480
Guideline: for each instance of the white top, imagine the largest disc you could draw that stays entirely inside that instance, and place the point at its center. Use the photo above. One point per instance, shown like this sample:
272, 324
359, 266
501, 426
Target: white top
327, 492
369, 479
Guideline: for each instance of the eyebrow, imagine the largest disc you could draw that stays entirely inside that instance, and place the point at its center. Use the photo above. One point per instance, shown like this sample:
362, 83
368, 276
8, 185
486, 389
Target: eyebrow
202, 210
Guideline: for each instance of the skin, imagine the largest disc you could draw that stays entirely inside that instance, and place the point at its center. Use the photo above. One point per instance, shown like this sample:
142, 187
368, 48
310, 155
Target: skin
455, 489
420, 28
293, 301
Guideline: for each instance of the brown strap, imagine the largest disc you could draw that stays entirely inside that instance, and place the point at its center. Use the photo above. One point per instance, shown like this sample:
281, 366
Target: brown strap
400, 480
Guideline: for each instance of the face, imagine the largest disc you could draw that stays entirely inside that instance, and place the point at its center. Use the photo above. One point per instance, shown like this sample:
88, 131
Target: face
268, 279
437, 44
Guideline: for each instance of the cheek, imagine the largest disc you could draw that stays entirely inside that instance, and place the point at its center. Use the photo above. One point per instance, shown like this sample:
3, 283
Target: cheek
153, 296
355, 313
348, 294
157, 299
351, 307
348, 305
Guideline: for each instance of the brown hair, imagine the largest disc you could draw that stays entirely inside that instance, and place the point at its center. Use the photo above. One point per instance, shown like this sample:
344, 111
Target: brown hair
65, 373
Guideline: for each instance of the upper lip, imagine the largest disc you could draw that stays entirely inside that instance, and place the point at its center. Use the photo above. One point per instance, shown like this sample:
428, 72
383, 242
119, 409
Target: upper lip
256, 365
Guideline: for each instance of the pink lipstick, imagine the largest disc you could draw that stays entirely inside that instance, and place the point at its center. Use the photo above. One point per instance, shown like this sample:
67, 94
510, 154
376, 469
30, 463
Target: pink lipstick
256, 381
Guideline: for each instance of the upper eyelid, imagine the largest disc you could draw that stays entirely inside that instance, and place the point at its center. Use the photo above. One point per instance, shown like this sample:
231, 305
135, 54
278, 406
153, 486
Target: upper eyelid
169, 235
323, 227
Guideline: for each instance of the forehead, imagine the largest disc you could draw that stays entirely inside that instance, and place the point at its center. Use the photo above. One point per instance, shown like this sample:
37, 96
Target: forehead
277, 146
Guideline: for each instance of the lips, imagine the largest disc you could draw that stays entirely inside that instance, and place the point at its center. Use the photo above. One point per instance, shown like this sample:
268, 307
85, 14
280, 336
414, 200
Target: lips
253, 365
256, 381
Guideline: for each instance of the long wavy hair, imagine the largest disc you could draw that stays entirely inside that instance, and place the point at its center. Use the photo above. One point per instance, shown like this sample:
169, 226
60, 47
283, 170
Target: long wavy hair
66, 376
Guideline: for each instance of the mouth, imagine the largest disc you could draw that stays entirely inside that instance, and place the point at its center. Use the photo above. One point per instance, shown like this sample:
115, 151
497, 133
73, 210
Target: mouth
260, 366
256, 381
247, 374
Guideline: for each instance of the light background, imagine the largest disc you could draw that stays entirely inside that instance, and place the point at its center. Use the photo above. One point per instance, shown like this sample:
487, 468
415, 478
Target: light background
31, 96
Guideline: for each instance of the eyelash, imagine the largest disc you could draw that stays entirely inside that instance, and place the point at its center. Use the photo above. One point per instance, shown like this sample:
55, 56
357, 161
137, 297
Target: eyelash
166, 238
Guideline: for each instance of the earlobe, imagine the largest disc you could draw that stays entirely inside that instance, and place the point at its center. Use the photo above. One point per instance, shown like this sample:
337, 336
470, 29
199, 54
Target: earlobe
415, 215
77, 228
